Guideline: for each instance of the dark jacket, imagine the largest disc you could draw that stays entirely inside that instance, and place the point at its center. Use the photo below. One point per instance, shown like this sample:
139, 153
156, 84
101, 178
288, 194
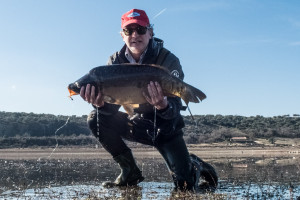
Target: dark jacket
169, 61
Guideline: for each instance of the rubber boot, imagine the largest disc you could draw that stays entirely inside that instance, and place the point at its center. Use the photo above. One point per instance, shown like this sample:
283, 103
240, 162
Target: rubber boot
204, 171
179, 163
130, 173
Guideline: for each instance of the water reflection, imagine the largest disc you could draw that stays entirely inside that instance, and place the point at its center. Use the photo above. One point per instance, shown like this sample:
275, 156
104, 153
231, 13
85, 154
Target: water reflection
239, 177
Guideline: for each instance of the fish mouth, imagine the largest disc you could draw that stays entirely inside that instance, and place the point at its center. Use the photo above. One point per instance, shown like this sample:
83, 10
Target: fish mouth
74, 89
72, 92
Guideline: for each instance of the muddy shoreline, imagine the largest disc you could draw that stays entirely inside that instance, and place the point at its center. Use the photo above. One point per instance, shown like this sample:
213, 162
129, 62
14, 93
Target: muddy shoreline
95, 153
244, 172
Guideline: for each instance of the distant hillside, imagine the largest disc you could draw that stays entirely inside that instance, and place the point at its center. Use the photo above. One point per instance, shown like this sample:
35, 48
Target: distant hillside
13, 124
217, 128
29, 129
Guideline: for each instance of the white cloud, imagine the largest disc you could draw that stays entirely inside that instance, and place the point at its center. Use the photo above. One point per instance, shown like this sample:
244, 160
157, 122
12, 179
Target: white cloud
13, 87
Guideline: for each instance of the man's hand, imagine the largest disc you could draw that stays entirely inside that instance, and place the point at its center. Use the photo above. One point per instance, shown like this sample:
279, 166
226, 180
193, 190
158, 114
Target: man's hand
89, 94
156, 96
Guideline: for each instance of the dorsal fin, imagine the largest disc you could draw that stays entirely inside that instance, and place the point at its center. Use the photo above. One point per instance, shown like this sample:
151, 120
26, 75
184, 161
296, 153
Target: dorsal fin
149, 65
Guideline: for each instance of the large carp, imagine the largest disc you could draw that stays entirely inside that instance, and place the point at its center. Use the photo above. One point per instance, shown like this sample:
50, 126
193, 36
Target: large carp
124, 84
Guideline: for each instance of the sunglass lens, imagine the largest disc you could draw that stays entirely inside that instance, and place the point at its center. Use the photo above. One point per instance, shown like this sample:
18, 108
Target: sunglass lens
140, 30
127, 31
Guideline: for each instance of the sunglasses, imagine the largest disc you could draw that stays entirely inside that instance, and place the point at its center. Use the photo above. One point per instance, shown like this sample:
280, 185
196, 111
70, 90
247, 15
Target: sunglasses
141, 30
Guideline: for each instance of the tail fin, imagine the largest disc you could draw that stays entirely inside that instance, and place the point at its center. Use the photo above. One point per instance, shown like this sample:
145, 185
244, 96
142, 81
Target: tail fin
192, 94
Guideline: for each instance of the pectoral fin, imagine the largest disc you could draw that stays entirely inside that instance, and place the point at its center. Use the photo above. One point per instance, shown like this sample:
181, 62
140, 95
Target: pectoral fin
129, 108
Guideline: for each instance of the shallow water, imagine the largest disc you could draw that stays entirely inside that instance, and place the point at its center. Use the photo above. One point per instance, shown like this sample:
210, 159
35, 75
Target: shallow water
240, 178
155, 190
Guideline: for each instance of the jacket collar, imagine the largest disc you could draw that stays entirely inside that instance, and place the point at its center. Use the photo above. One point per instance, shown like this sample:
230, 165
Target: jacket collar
154, 46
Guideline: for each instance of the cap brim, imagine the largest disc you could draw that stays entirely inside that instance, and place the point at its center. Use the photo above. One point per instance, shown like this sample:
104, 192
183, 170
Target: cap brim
135, 21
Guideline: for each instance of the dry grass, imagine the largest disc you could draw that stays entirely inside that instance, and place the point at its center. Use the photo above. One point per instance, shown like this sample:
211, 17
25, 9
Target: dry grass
93, 153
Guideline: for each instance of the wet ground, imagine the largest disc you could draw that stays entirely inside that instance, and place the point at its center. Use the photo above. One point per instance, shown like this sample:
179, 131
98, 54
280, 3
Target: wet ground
70, 178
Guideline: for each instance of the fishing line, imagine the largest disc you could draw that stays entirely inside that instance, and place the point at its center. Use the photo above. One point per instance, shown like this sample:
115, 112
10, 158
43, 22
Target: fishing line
68, 120
26, 169
154, 126
55, 134
191, 115
39, 164
98, 125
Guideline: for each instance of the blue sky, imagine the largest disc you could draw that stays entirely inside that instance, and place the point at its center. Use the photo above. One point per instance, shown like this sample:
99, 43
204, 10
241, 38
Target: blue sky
245, 55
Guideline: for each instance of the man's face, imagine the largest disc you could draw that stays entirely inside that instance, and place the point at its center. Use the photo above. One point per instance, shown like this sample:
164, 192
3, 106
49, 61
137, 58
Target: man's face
136, 43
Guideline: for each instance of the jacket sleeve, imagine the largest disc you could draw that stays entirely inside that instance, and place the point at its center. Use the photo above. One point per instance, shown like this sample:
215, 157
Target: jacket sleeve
174, 103
173, 109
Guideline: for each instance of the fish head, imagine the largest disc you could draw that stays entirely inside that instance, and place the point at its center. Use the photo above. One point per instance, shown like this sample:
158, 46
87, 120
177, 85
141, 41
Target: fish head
74, 88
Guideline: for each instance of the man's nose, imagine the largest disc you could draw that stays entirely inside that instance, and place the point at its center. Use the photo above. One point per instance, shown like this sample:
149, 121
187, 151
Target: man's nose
134, 33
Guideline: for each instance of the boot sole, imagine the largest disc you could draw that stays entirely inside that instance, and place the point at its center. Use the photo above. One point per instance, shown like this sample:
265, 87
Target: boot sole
135, 182
208, 173
131, 183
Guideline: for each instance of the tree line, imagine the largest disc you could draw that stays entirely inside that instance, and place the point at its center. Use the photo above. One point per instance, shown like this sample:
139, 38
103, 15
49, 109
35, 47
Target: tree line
218, 128
15, 124
27, 129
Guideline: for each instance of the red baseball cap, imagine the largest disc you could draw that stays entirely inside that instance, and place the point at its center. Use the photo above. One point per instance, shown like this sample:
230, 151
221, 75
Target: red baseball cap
135, 16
